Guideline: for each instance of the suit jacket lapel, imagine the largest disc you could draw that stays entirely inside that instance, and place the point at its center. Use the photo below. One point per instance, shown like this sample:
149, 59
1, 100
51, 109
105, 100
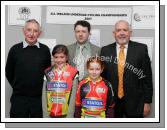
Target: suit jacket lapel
93, 51
72, 53
74, 50
129, 57
114, 56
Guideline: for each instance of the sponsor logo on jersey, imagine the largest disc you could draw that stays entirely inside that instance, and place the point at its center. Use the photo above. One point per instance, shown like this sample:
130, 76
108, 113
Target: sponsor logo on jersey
100, 90
86, 89
92, 103
51, 74
58, 100
66, 74
56, 85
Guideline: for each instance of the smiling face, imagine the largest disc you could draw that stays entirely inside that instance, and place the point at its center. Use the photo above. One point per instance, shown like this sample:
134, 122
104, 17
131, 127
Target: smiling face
94, 70
122, 32
31, 32
59, 59
81, 34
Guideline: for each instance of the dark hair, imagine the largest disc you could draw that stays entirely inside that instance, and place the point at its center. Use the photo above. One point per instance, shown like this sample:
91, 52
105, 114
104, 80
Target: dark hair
96, 59
83, 23
60, 49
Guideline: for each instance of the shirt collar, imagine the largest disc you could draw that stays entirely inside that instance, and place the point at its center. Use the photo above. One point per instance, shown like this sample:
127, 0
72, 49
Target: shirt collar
85, 45
62, 69
25, 44
126, 45
88, 79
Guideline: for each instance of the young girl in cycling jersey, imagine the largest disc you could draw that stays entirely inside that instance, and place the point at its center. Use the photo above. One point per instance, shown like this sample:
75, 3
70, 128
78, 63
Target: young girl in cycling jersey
60, 90
94, 97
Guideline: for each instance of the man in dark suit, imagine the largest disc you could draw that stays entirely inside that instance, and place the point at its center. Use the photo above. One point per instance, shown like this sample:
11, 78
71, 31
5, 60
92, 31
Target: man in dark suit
128, 68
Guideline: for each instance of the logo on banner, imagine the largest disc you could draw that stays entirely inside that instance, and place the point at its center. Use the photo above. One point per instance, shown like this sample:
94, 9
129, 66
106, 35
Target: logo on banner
24, 13
139, 18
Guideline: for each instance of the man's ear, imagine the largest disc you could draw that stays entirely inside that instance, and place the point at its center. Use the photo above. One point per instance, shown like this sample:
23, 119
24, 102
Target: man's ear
130, 32
113, 33
40, 32
23, 29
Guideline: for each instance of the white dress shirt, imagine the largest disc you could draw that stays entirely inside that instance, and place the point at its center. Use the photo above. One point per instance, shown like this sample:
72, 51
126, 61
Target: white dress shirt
118, 49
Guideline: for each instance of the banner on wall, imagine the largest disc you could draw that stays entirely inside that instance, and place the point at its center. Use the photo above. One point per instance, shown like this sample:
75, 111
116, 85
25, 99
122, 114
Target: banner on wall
96, 16
18, 14
143, 17
95, 37
145, 40
49, 42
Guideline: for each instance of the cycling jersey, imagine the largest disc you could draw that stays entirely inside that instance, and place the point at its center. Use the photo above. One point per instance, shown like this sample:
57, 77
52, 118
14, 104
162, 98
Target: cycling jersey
59, 86
94, 98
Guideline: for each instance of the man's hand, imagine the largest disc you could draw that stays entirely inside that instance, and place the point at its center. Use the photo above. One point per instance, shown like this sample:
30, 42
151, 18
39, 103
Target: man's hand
147, 109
